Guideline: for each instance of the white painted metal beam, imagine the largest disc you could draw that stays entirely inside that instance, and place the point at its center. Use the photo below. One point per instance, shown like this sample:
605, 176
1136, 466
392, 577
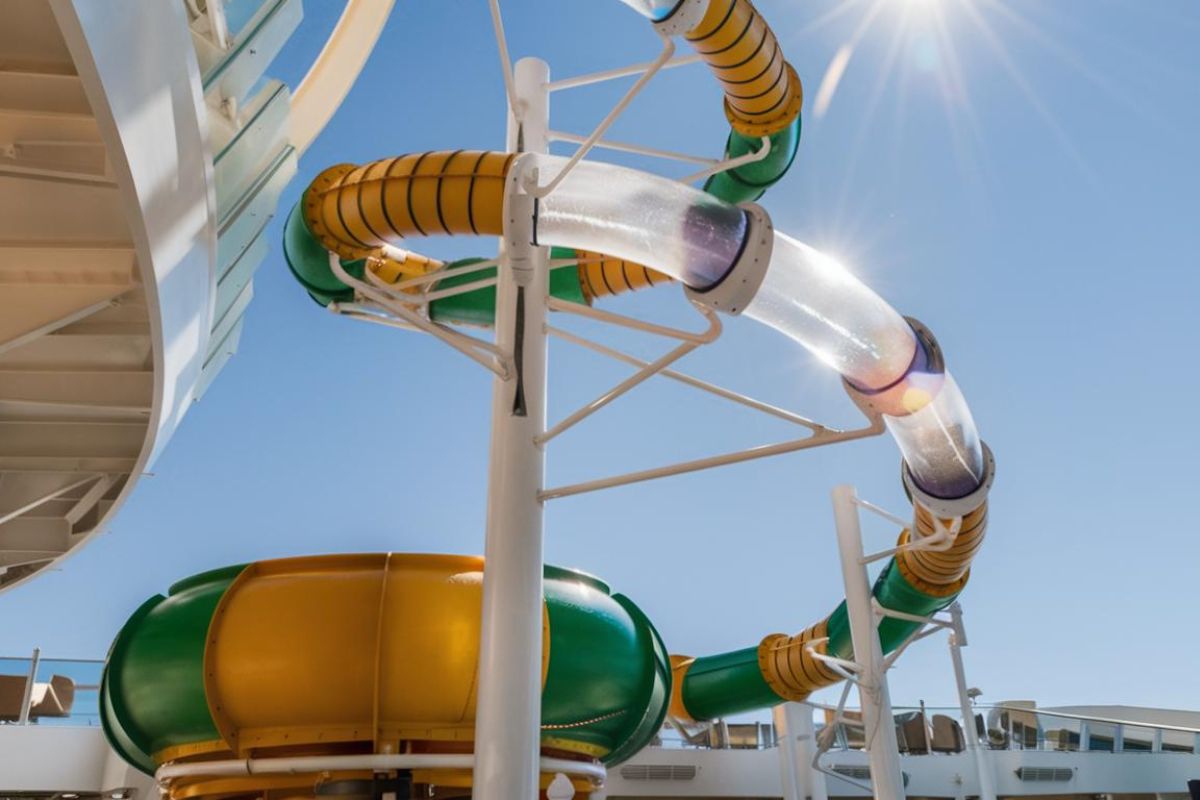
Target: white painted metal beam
85, 389
26, 88
75, 440
35, 533
33, 311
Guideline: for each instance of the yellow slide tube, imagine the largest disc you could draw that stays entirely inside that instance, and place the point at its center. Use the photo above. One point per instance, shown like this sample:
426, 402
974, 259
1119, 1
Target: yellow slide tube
941, 573
353, 211
763, 94
602, 276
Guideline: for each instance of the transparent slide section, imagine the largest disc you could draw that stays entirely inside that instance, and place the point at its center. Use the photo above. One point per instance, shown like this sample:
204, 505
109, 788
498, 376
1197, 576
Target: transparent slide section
689, 235
805, 295
940, 443
654, 10
816, 301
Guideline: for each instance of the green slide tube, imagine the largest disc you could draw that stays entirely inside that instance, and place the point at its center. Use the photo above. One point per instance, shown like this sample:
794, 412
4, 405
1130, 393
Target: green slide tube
749, 182
731, 683
308, 261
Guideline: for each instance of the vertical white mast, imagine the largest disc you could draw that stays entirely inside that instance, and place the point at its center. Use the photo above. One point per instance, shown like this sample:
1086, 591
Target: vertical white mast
880, 730
958, 640
508, 710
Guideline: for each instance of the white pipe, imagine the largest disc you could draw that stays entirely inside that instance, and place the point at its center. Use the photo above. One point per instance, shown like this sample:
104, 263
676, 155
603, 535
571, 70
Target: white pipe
508, 709
820, 438
600, 315
306, 764
958, 640
664, 55
467, 345
620, 72
797, 747
636, 149
688, 380
336, 69
731, 163
879, 730
636, 379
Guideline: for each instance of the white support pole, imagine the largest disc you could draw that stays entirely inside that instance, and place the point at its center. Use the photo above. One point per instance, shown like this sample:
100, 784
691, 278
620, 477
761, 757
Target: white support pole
797, 743
880, 731
508, 710
983, 768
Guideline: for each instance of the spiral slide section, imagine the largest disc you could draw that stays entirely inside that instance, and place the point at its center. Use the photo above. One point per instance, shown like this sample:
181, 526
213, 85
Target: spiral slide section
339, 655
730, 258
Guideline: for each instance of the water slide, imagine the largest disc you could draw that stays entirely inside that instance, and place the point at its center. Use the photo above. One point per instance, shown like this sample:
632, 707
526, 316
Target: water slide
369, 653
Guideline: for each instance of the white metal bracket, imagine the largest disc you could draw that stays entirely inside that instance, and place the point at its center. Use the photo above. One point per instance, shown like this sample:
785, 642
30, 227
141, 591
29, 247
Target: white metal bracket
480, 351
818, 435
664, 55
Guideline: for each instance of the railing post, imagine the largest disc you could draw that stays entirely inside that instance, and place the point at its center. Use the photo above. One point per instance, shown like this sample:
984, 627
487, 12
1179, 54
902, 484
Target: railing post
27, 701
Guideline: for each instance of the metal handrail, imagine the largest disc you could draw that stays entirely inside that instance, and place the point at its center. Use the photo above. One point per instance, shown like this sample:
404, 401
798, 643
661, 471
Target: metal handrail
26, 658
1102, 720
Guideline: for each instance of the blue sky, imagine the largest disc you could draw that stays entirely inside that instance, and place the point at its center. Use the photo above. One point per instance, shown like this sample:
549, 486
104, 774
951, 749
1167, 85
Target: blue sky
1021, 176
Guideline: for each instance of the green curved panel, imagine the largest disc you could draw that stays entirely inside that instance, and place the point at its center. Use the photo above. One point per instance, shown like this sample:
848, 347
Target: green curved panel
656, 694
153, 686
118, 728
309, 262
608, 671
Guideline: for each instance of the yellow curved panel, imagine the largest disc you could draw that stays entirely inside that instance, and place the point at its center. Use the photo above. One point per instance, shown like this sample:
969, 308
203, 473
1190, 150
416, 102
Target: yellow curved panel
348, 648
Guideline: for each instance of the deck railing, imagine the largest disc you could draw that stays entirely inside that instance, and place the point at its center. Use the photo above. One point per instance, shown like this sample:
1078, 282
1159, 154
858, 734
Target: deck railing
37, 690
65, 691
928, 730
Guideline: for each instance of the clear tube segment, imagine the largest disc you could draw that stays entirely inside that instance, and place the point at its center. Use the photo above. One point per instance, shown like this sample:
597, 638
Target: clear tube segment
656, 10
664, 224
816, 301
805, 294
940, 443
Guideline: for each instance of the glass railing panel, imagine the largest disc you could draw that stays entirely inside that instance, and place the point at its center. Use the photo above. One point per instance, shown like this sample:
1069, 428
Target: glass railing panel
1178, 742
237, 71
1137, 739
65, 691
1102, 737
240, 13
1059, 733
997, 728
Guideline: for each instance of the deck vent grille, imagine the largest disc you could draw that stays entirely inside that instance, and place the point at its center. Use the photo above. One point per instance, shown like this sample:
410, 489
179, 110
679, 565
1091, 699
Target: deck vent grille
658, 772
1045, 773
